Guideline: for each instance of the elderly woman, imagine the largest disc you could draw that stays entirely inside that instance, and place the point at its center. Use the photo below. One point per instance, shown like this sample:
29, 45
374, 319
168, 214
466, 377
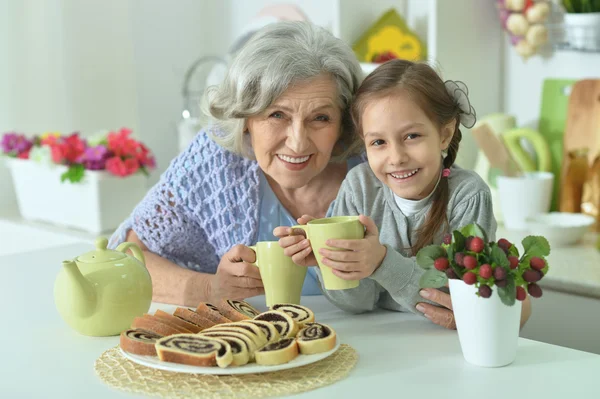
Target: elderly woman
279, 147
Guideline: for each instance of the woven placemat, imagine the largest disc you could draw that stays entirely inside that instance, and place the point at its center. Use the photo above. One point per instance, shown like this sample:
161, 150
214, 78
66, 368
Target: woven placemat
121, 373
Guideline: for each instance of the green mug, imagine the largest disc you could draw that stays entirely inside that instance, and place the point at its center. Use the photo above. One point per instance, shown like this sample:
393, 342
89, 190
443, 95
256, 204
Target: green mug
281, 277
318, 231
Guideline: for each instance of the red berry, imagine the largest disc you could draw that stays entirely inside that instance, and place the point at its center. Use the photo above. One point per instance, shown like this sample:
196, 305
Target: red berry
485, 271
447, 239
470, 262
514, 261
534, 290
469, 278
485, 291
459, 258
476, 244
501, 283
537, 263
521, 294
450, 274
441, 264
499, 273
504, 244
531, 276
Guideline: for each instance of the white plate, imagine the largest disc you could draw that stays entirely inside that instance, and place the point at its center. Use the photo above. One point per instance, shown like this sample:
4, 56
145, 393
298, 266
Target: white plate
250, 368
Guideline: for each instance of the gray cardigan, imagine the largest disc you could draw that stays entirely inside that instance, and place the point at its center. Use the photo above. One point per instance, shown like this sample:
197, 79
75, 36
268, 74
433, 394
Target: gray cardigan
395, 284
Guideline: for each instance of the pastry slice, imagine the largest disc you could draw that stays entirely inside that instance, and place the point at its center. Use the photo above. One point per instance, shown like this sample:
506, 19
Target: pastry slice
285, 325
278, 352
252, 328
268, 329
178, 321
258, 343
316, 338
211, 312
237, 310
191, 316
194, 350
241, 347
154, 325
301, 314
139, 342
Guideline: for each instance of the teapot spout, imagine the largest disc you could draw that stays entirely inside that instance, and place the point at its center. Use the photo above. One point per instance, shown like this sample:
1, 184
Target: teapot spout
83, 294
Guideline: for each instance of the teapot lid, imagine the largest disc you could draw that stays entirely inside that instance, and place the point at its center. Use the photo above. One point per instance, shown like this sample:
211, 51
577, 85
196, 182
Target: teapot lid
101, 254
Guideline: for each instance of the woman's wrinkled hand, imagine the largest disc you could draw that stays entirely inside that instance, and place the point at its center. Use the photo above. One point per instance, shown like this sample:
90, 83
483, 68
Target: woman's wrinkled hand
236, 278
359, 258
443, 316
295, 244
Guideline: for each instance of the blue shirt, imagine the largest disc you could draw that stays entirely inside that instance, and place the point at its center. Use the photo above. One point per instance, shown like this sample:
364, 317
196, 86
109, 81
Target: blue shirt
273, 214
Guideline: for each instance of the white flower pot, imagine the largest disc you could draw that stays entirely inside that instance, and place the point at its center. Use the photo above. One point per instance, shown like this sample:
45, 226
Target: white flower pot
488, 330
582, 30
97, 204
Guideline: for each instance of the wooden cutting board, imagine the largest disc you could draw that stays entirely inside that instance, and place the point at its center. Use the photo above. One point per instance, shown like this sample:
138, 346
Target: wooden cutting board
582, 129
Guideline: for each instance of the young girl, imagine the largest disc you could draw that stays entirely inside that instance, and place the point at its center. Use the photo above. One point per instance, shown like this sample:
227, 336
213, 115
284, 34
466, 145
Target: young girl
411, 190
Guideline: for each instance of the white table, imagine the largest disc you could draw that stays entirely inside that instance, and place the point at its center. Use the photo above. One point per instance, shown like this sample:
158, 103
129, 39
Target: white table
401, 355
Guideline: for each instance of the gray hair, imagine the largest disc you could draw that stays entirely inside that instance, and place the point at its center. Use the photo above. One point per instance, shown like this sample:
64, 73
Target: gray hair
277, 56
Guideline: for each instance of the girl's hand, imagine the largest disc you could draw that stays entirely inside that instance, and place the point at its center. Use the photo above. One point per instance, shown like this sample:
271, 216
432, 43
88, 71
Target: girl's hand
361, 257
295, 244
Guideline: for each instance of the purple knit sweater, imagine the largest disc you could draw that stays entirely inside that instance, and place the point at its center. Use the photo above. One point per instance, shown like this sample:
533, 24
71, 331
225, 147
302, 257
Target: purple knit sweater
206, 202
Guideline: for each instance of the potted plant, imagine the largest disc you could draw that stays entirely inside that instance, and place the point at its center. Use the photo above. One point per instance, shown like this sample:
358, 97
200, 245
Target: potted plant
487, 281
582, 24
90, 184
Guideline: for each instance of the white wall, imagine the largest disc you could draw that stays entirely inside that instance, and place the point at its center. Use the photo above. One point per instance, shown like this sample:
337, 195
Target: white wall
86, 65
468, 46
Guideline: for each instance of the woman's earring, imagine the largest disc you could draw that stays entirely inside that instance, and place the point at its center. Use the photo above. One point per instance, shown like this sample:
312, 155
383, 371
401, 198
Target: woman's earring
444, 154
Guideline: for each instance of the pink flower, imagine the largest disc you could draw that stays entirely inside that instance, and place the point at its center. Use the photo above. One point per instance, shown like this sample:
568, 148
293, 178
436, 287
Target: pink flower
121, 144
15, 144
94, 158
67, 150
122, 168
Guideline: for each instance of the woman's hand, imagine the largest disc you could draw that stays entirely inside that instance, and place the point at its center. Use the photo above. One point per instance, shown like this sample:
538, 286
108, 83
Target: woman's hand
295, 244
443, 316
236, 277
361, 257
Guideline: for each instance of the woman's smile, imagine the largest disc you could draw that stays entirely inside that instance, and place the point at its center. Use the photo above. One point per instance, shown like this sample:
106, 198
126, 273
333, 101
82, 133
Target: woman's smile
293, 162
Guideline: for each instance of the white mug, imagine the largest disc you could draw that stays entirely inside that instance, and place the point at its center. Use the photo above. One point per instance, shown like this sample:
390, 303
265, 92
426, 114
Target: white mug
524, 196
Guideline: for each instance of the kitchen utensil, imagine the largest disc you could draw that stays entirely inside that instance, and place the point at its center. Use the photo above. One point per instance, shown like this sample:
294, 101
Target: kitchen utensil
100, 293
553, 116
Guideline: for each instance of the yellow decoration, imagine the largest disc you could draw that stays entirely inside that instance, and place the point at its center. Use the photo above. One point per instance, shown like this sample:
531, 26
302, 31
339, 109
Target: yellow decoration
390, 35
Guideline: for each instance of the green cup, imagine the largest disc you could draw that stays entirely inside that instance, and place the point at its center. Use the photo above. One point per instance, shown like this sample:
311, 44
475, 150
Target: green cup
281, 277
318, 231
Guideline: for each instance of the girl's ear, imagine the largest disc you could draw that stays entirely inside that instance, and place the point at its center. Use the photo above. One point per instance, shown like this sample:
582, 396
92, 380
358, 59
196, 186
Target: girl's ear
447, 133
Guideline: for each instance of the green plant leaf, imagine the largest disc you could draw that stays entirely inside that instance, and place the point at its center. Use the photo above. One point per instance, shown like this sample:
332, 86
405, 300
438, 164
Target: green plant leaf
427, 255
433, 278
74, 174
459, 241
499, 257
535, 246
508, 294
474, 230
513, 250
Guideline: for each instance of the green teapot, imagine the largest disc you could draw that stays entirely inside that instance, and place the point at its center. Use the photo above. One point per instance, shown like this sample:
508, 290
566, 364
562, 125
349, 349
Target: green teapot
101, 292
